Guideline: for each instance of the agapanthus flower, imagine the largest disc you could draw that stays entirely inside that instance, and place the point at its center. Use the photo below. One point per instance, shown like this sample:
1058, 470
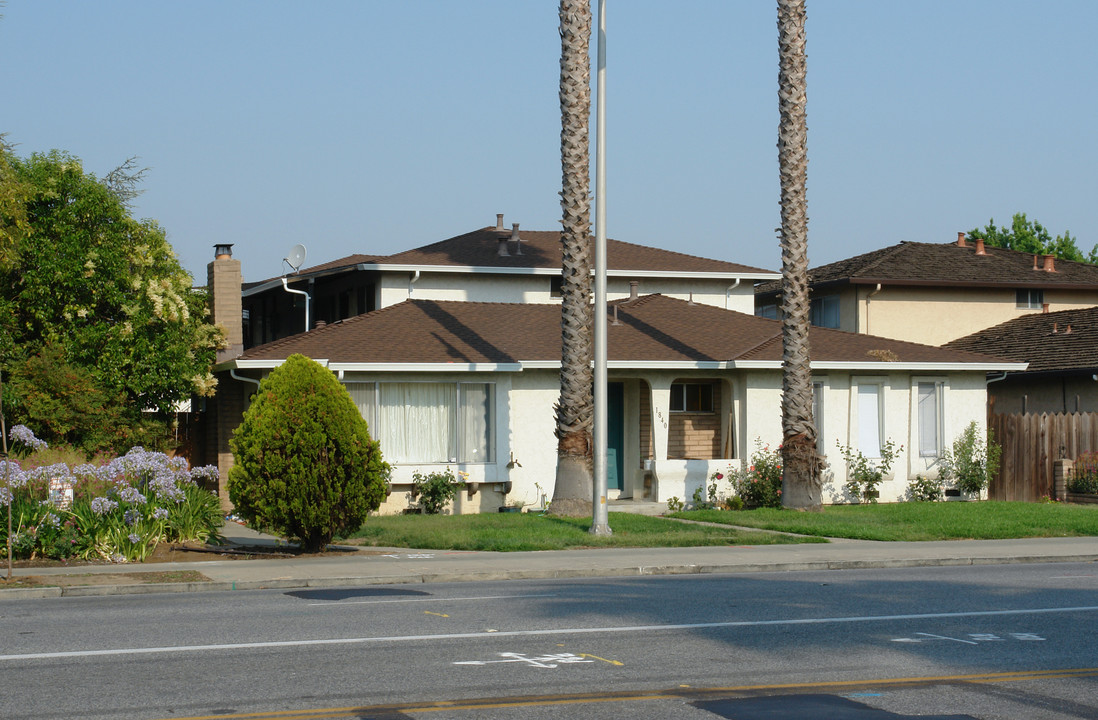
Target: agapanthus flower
131, 517
103, 506
131, 495
134, 538
160, 513
24, 436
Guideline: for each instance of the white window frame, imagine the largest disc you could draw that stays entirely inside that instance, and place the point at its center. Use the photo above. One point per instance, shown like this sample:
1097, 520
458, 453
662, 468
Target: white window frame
713, 397
856, 432
818, 388
917, 385
491, 420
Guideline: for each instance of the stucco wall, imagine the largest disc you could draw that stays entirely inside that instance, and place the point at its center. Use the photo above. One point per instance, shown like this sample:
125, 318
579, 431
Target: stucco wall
394, 288
937, 315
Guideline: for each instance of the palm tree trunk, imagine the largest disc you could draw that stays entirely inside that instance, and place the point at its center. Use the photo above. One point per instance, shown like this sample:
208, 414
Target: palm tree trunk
575, 409
800, 464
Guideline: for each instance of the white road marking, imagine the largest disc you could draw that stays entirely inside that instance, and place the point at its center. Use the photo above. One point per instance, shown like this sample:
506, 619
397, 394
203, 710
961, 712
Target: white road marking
540, 633
339, 603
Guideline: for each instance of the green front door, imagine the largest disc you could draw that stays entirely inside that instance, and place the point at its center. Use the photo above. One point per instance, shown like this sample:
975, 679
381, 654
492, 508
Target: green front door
615, 435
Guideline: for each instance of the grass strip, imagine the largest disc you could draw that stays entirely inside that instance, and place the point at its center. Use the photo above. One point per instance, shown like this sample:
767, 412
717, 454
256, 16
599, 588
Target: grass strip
511, 532
920, 521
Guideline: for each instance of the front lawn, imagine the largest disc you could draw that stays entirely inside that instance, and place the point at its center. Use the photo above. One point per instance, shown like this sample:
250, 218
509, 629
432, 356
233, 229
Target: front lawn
508, 532
986, 520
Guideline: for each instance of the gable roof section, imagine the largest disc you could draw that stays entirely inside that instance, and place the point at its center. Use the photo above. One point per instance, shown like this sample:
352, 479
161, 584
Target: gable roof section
654, 331
541, 254
947, 264
1064, 340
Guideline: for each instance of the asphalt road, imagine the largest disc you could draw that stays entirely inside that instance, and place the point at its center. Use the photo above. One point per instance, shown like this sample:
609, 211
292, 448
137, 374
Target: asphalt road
1014, 641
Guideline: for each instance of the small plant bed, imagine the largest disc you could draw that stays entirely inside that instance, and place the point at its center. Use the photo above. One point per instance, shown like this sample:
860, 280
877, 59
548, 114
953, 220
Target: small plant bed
918, 521
99, 579
511, 532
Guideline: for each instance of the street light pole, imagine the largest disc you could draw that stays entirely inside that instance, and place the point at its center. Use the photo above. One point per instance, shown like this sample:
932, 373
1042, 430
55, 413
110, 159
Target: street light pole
599, 523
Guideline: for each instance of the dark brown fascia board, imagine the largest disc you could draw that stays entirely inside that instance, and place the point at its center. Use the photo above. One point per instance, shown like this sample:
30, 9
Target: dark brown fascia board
1018, 284
273, 283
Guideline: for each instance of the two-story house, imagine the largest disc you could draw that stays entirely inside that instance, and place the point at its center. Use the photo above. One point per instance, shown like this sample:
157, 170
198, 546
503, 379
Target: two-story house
933, 293
456, 361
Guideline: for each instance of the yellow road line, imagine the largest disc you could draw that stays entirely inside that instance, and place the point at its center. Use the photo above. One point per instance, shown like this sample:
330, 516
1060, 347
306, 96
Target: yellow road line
545, 700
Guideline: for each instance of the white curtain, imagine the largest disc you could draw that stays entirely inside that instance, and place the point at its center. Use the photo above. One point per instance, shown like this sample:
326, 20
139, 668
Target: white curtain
929, 415
474, 428
416, 422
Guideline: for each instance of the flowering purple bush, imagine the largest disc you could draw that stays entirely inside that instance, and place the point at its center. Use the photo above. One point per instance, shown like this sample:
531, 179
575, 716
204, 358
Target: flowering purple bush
22, 435
117, 512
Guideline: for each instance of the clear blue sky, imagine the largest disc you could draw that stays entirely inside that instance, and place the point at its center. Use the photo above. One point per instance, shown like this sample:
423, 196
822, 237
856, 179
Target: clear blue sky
373, 127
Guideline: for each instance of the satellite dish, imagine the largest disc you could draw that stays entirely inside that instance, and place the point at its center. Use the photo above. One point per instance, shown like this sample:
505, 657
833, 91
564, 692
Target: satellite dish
296, 258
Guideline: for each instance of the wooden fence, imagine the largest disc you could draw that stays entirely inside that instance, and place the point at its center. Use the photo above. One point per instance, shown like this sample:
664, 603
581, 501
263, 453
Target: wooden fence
1031, 445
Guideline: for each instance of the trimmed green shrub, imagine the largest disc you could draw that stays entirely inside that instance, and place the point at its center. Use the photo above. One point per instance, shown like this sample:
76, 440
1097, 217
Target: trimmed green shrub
305, 465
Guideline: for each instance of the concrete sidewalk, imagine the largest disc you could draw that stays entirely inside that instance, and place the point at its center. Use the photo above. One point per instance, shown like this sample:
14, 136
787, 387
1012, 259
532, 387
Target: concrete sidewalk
372, 566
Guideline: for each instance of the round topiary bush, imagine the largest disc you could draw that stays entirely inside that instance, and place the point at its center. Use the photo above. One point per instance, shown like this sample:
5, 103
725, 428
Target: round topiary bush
305, 465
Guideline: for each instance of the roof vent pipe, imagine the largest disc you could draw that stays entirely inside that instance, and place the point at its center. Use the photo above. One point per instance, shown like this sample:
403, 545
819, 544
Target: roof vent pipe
961, 240
1035, 266
1050, 263
499, 221
980, 247
516, 238
1054, 330
1067, 330
1044, 308
502, 250
634, 294
615, 321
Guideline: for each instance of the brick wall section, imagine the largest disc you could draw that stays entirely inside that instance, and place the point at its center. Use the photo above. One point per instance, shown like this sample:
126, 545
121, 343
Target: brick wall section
226, 308
694, 436
646, 442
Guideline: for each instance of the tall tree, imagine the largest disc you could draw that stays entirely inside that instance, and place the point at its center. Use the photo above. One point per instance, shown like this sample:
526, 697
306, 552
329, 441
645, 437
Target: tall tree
92, 296
575, 409
800, 465
1030, 236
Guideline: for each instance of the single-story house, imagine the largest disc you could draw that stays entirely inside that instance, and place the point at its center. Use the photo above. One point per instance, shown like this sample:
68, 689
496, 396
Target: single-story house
692, 388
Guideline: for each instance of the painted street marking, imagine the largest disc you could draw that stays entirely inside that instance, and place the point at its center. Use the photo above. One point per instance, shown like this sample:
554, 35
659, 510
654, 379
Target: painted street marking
977, 638
557, 632
428, 612
596, 657
412, 556
550, 661
341, 603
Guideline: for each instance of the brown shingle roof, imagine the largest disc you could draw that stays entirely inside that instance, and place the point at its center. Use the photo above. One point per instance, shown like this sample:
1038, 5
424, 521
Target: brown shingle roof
654, 328
1064, 340
946, 264
541, 249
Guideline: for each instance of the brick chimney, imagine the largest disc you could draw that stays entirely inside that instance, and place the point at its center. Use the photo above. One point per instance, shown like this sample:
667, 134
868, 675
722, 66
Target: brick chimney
1050, 263
223, 281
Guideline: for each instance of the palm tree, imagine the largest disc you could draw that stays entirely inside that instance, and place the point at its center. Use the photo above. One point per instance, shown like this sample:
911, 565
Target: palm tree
800, 463
575, 409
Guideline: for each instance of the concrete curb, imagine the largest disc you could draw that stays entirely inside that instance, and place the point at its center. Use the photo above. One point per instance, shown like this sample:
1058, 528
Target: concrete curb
530, 574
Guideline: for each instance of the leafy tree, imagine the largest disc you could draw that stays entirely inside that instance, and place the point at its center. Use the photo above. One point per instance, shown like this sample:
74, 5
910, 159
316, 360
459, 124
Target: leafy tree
305, 465
105, 290
574, 486
1030, 236
801, 486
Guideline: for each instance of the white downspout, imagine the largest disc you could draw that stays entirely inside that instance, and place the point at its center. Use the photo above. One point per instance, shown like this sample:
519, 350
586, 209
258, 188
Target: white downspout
289, 289
415, 278
867, 297
728, 293
234, 376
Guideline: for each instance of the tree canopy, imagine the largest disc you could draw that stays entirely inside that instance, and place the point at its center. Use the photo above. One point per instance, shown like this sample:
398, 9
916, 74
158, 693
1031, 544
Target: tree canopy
98, 292
1030, 236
